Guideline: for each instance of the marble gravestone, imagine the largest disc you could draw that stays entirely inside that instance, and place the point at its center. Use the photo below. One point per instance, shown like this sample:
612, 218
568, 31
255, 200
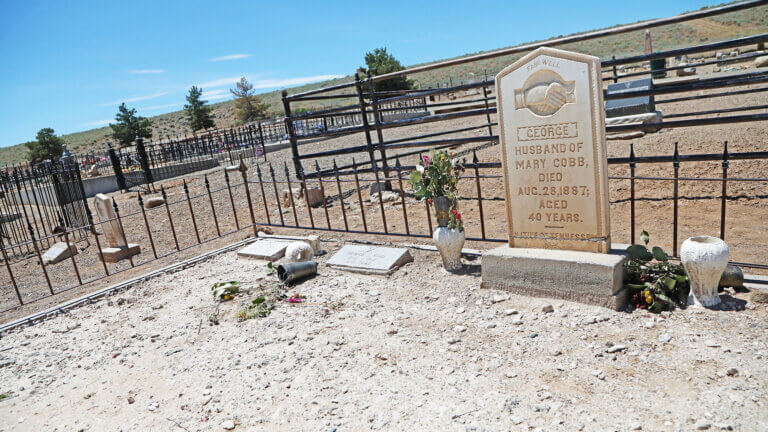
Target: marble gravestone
553, 153
117, 246
370, 259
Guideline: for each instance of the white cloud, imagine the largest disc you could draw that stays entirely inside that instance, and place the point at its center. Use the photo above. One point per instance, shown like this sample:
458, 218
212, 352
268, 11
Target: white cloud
135, 99
146, 71
230, 57
219, 82
215, 94
98, 123
270, 83
157, 107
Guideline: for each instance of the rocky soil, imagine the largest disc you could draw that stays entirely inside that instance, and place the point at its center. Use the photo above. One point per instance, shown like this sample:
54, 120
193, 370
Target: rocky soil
419, 350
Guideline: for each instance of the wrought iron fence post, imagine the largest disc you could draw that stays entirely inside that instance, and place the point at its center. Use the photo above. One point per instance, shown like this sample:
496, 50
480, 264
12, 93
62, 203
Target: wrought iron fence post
632, 165
10, 272
170, 219
399, 168
231, 199
146, 224
290, 193
377, 120
122, 228
291, 135
141, 153
40, 258
191, 211
277, 196
71, 255
116, 168
676, 191
615, 75
475, 162
263, 195
341, 195
724, 193
243, 170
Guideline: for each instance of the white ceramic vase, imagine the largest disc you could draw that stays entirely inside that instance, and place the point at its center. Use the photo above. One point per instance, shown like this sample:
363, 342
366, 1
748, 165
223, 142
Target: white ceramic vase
449, 242
704, 259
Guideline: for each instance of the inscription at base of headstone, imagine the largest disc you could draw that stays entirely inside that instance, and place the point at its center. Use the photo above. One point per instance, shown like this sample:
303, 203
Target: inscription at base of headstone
59, 252
270, 250
630, 106
552, 121
370, 259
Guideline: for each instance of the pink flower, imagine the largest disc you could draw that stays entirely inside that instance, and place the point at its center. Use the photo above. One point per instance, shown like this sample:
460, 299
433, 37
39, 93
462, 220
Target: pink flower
426, 160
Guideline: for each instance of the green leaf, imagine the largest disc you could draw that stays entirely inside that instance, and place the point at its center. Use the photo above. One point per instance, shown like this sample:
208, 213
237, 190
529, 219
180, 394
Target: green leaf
668, 282
659, 254
681, 278
645, 236
635, 287
639, 252
665, 299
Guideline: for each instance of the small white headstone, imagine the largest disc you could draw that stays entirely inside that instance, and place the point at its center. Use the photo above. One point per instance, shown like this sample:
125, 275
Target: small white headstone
59, 252
370, 259
112, 230
269, 250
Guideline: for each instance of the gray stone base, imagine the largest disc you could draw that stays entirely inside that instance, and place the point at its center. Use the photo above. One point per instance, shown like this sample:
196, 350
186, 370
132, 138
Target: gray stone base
113, 254
59, 252
585, 277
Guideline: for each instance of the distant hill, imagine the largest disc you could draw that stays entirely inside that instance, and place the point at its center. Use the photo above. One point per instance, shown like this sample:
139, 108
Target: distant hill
722, 27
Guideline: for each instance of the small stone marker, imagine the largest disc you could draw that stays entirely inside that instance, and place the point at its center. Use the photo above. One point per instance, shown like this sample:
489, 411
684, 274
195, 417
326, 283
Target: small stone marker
270, 250
117, 248
553, 151
370, 259
59, 252
552, 137
630, 106
153, 202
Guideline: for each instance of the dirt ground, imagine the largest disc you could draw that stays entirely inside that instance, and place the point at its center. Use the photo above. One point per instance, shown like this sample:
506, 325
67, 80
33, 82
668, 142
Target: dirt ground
699, 211
419, 350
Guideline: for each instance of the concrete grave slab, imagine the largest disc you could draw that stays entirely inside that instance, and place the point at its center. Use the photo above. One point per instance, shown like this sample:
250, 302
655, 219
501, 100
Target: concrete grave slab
270, 250
59, 252
370, 259
115, 254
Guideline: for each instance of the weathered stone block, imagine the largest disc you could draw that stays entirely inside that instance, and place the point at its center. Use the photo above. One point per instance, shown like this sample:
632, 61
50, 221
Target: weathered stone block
315, 196
115, 254
153, 202
585, 277
59, 252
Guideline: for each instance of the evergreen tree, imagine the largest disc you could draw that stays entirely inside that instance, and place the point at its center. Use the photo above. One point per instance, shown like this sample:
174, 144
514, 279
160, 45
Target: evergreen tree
198, 113
248, 106
46, 147
129, 126
380, 62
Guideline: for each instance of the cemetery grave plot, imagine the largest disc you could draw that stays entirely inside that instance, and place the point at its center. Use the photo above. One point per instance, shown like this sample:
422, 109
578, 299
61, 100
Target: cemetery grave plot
699, 206
418, 349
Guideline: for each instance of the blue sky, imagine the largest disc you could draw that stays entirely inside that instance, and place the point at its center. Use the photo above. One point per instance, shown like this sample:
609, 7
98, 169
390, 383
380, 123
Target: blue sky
69, 64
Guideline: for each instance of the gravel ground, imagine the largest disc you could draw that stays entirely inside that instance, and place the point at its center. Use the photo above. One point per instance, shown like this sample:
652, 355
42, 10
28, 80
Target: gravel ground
419, 350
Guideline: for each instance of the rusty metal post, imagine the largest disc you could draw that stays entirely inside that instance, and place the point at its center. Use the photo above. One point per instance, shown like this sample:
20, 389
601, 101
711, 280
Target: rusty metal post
676, 192
306, 199
71, 256
263, 195
120, 222
359, 195
277, 196
89, 215
213, 207
632, 165
170, 219
243, 171
479, 194
399, 168
10, 272
724, 193
341, 195
290, 194
39, 257
146, 224
191, 211
322, 193
231, 199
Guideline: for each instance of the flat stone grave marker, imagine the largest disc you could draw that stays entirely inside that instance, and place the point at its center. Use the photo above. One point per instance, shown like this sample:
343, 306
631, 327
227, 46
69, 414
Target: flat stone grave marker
630, 106
59, 252
270, 250
370, 259
553, 151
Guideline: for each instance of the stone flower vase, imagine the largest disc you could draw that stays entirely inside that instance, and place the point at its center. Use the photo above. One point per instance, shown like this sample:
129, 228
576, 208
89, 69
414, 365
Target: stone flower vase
704, 259
449, 241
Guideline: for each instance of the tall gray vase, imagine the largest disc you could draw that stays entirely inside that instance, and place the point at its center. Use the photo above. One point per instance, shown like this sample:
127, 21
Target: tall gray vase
442, 207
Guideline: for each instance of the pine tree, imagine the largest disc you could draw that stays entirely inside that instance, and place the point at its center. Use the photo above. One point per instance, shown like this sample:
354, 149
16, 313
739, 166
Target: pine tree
248, 106
46, 147
380, 62
198, 113
129, 126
